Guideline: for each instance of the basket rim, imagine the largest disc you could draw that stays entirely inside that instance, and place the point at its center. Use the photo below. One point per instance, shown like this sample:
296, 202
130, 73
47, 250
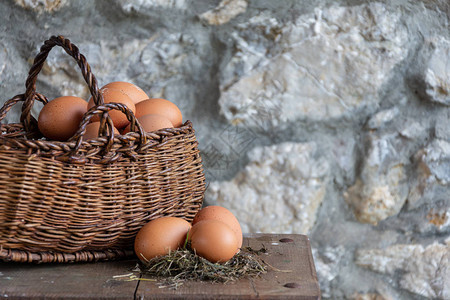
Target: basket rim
154, 135
72, 152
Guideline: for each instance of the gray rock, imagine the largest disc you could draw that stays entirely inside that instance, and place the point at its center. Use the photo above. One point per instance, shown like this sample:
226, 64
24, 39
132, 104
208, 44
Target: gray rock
370, 296
167, 65
325, 66
13, 74
413, 130
256, 41
425, 270
327, 267
436, 156
3, 57
381, 189
129, 6
439, 219
432, 181
224, 12
427, 220
40, 6
344, 155
442, 128
437, 72
280, 190
382, 118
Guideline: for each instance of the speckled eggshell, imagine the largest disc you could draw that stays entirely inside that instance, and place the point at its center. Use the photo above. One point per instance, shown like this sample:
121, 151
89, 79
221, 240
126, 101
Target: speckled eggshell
160, 236
222, 214
112, 95
92, 131
213, 240
60, 118
162, 107
151, 123
133, 91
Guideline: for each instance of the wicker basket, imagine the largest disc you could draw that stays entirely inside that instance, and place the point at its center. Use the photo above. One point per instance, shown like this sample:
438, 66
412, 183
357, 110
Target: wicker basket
80, 201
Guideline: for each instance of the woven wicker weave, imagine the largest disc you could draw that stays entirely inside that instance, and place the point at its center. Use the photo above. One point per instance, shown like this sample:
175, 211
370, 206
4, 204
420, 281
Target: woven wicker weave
85, 201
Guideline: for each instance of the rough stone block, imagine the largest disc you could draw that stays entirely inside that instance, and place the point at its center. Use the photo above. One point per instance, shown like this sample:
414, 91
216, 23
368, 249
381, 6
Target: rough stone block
424, 270
280, 189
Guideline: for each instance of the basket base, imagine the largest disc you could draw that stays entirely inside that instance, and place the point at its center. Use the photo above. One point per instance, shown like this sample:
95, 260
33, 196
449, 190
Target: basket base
14, 255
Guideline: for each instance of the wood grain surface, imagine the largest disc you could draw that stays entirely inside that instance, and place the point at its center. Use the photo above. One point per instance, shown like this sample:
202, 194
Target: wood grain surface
292, 276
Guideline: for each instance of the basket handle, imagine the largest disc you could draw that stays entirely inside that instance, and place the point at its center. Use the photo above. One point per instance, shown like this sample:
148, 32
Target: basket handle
14, 100
26, 119
107, 124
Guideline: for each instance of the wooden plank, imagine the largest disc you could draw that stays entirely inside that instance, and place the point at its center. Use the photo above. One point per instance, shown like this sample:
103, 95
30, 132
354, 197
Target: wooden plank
197, 290
97, 280
68, 281
293, 255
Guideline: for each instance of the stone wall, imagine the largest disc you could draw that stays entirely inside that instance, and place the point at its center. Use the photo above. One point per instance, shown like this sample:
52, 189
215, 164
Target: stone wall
327, 118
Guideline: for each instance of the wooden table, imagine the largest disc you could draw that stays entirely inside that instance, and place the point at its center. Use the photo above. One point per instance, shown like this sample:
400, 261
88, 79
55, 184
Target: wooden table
289, 253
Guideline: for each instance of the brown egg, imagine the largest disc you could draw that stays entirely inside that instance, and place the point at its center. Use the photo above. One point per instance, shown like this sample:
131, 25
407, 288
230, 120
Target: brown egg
160, 236
133, 91
162, 107
151, 123
112, 95
60, 118
213, 240
92, 131
222, 214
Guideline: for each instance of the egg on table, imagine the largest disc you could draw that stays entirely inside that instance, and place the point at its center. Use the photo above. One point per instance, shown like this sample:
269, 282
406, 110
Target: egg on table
213, 240
160, 236
222, 214
60, 118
